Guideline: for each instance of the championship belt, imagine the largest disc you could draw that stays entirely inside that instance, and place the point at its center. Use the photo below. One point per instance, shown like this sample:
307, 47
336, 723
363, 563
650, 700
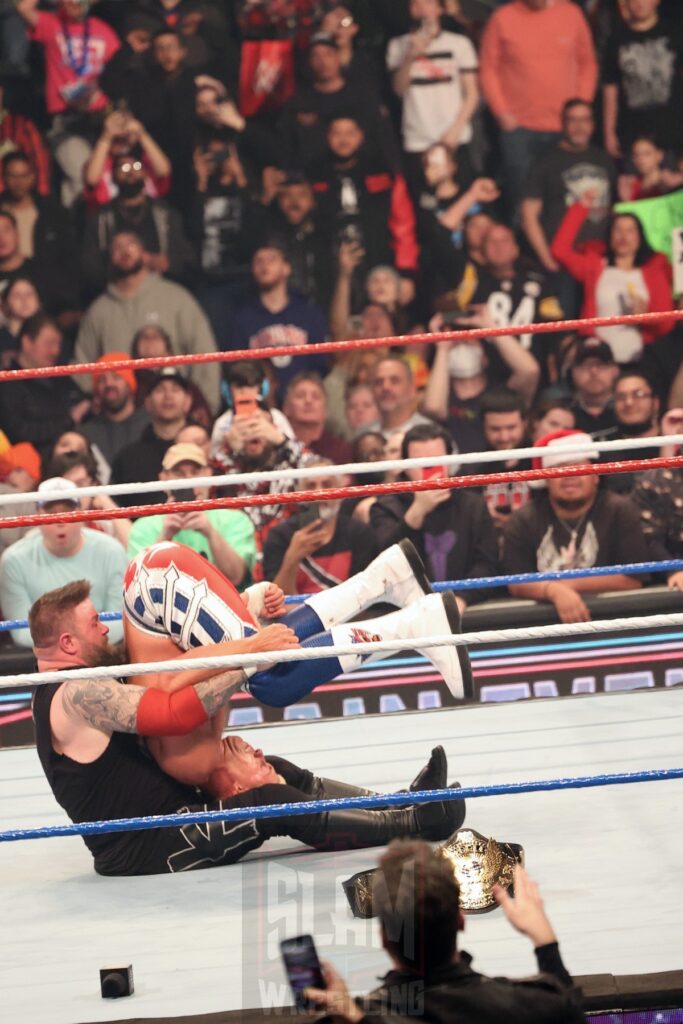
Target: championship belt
478, 865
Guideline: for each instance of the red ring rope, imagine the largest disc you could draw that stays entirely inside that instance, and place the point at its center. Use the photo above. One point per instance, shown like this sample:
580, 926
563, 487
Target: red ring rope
332, 493
335, 346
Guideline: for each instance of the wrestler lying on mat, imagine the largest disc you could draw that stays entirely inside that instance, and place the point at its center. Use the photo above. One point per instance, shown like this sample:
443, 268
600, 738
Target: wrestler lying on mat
98, 771
174, 598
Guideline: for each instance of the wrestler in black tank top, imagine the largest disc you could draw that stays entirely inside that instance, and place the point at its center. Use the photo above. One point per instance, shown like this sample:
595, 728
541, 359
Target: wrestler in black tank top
123, 782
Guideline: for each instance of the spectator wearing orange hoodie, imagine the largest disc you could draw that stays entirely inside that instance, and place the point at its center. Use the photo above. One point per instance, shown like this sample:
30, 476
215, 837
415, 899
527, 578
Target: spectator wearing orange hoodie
20, 471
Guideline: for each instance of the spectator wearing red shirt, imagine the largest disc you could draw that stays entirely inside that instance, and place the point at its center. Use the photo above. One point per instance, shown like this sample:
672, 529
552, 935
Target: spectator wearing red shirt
77, 47
626, 277
651, 178
305, 406
124, 135
19, 134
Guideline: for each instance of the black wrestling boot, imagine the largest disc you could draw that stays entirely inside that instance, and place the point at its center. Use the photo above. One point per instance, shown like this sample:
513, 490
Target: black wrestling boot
356, 829
456, 815
432, 776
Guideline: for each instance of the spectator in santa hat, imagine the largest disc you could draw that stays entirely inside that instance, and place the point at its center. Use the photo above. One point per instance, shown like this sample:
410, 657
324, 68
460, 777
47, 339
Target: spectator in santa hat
572, 523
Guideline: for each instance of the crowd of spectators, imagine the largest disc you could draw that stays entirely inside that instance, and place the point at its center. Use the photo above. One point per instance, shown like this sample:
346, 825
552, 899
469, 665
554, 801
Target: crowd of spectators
187, 176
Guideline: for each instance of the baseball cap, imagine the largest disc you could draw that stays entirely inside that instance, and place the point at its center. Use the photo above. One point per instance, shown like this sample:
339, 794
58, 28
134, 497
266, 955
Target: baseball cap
169, 373
183, 452
556, 442
127, 375
593, 348
59, 483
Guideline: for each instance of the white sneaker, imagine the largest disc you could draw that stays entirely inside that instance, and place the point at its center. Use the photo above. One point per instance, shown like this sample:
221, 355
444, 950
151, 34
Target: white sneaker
402, 572
438, 615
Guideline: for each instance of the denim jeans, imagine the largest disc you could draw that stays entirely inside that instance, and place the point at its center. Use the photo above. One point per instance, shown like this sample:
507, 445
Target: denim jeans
519, 148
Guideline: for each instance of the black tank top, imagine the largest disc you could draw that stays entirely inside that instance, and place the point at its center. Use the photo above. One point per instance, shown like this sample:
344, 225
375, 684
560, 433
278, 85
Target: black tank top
123, 782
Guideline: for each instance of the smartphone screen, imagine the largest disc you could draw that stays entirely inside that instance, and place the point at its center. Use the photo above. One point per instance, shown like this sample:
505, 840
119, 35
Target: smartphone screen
303, 967
245, 407
310, 513
188, 495
429, 472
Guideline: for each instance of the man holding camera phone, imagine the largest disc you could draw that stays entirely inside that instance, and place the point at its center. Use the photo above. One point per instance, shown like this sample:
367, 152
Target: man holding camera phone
223, 536
317, 548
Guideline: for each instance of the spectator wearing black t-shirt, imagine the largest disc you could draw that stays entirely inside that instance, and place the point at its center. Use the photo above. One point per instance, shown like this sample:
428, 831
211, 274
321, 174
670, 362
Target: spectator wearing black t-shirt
573, 524
317, 548
557, 179
593, 373
514, 293
158, 225
636, 408
449, 197
306, 116
503, 418
642, 78
451, 529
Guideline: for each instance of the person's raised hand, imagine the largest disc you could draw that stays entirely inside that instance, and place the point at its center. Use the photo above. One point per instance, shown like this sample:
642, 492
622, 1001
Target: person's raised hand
308, 539
525, 910
198, 521
485, 190
427, 501
672, 422
260, 424
613, 146
174, 522
350, 256
335, 999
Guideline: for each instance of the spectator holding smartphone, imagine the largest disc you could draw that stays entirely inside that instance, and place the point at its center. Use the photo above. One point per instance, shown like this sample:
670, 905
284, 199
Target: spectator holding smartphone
417, 900
451, 529
222, 535
317, 548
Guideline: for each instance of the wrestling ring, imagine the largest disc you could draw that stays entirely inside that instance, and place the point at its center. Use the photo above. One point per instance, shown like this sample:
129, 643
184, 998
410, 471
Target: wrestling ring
590, 786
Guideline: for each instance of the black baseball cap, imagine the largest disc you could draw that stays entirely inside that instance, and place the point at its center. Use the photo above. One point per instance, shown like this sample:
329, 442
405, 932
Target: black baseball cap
593, 348
169, 373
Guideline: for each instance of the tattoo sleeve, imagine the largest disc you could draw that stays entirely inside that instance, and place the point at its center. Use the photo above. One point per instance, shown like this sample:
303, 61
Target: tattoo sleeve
103, 704
111, 706
215, 693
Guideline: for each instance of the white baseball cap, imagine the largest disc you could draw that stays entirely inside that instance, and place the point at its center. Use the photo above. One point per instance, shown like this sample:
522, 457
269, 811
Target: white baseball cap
67, 488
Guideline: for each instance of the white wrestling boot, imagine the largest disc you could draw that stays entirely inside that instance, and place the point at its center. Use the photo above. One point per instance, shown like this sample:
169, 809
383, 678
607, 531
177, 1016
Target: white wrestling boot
397, 576
430, 615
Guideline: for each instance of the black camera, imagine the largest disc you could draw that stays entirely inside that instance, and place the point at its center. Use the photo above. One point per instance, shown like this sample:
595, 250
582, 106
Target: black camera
116, 981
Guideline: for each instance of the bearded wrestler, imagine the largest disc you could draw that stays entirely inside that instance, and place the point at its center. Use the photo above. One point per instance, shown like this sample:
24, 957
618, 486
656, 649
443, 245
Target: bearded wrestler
174, 600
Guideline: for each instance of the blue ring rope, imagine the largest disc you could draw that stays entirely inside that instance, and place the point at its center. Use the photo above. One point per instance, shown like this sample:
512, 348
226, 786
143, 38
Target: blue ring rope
380, 800
480, 583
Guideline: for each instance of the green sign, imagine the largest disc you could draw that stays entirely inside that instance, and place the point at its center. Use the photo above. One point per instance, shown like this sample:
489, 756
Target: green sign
659, 217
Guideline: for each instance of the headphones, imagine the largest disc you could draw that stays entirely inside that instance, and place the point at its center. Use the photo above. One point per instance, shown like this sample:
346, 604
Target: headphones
226, 392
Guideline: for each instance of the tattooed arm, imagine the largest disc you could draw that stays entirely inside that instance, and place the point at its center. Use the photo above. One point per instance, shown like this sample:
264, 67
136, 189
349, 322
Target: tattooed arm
84, 714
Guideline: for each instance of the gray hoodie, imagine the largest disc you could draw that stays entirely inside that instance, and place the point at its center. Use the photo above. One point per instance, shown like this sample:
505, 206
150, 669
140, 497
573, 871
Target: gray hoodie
111, 321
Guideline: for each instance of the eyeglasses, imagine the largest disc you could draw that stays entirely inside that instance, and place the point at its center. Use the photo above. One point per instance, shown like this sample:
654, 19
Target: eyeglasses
128, 167
346, 22
636, 396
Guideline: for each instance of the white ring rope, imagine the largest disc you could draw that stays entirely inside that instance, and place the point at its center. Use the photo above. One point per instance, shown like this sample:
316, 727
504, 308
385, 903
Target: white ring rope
270, 658
347, 469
